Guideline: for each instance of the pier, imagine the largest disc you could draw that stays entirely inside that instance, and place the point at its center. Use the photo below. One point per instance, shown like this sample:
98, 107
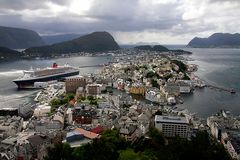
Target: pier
231, 90
96, 65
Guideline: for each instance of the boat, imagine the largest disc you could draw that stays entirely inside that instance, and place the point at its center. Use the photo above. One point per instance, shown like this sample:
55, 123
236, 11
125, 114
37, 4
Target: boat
52, 73
232, 91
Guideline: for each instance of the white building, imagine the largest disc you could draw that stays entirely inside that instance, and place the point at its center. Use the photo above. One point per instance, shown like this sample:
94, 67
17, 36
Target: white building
42, 110
69, 116
153, 95
171, 100
171, 126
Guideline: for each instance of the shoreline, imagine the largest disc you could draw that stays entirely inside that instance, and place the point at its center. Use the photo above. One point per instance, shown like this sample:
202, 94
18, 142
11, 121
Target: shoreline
201, 91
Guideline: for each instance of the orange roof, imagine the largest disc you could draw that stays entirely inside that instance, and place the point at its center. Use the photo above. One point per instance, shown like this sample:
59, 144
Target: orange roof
86, 133
72, 102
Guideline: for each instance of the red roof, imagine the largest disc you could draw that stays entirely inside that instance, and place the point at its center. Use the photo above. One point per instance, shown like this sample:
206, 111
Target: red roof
97, 130
87, 134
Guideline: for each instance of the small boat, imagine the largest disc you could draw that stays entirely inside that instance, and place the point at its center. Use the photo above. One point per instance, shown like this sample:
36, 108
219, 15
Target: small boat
232, 91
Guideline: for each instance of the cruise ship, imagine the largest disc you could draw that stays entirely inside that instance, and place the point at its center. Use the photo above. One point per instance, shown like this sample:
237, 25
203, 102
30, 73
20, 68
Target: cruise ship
31, 77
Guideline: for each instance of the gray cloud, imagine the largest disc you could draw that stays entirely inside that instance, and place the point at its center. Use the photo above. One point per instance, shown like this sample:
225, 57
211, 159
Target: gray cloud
28, 4
138, 18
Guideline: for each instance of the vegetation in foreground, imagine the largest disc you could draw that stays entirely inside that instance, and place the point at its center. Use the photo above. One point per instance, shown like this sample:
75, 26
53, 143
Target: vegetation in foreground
111, 146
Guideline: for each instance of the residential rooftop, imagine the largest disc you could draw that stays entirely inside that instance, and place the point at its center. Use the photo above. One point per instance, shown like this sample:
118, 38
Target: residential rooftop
171, 119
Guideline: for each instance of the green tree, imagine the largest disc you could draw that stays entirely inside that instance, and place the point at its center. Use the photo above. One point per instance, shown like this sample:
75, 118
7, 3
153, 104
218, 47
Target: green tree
55, 102
180, 64
60, 151
129, 154
90, 98
112, 146
156, 136
150, 74
83, 98
166, 77
186, 77
154, 83
93, 102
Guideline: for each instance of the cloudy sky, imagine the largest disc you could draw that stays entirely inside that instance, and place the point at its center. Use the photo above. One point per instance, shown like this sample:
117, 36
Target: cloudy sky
129, 21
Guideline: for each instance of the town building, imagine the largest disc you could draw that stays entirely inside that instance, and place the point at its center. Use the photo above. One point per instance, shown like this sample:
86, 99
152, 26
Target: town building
79, 137
172, 126
129, 132
33, 147
184, 87
10, 126
93, 89
80, 115
171, 88
225, 128
154, 95
137, 88
73, 83
120, 84
80, 92
42, 110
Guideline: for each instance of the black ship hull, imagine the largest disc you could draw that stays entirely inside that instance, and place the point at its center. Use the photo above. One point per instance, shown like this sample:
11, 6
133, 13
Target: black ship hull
29, 83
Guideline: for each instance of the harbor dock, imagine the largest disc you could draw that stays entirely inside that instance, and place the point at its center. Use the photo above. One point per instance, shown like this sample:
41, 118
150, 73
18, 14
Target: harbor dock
231, 90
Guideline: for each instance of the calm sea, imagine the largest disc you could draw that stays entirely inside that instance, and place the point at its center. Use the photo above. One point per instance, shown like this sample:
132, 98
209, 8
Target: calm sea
220, 67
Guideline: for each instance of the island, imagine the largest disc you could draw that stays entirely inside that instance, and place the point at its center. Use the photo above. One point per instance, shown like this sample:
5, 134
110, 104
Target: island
160, 48
217, 40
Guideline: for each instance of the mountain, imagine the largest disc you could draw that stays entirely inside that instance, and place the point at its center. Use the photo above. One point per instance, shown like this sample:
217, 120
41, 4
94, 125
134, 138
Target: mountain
18, 38
94, 42
6, 53
159, 48
51, 39
220, 40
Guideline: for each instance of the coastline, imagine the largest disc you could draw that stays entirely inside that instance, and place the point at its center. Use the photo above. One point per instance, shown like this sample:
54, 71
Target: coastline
210, 100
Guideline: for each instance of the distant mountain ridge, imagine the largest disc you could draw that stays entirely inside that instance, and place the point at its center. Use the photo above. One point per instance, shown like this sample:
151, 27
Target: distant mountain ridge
159, 48
18, 38
221, 40
94, 42
51, 39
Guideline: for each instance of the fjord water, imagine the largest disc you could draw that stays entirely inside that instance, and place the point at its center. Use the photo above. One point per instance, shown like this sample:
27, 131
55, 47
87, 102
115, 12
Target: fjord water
10, 96
220, 67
